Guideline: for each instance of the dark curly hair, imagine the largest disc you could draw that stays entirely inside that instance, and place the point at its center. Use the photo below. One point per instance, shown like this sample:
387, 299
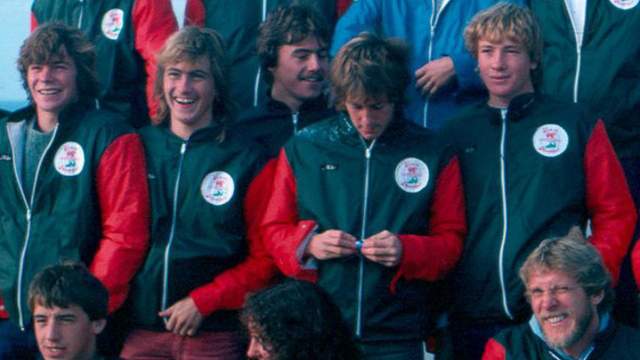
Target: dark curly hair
297, 320
285, 26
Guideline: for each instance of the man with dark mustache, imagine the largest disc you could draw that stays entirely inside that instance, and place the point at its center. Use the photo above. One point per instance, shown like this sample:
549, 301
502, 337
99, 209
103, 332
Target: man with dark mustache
292, 47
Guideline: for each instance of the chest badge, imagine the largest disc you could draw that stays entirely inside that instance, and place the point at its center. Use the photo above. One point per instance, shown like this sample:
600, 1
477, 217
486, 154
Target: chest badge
112, 23
624, 4
550, 140
412, 175
217, 188
69, 159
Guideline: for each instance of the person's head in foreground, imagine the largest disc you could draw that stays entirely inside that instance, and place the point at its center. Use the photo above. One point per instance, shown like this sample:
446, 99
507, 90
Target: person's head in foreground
368, 78
292, 47
69, 307
507, 42
191, 87
569, 290
57, 67
296, 320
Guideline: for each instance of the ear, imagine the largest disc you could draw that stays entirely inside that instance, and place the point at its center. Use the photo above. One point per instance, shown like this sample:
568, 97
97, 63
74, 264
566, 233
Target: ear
98, 325
596, 299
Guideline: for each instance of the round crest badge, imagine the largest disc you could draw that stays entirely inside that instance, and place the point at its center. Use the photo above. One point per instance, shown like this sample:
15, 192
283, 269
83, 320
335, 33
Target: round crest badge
550, 140
217, 188
624, 4
412, 175
69, 159
112, 23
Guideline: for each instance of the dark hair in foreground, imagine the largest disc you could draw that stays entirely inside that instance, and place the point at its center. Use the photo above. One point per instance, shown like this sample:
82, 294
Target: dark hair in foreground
574, 256
67, 284
191, 44
369, 66
297, 320
47, 43
285, 26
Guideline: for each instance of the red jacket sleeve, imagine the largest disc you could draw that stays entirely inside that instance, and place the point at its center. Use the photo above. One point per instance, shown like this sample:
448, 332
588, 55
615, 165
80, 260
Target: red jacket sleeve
493, 350
429, 257
611, 209
229, 289
282, 231
194, 13
635, 263
123, 197
34, 22
153, 22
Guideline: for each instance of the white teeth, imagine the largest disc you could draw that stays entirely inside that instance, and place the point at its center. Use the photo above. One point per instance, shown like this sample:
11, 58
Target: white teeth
48, 92
556, 319
184, 101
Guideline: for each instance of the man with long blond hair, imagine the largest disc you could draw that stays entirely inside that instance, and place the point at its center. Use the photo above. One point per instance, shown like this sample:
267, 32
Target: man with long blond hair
205, 252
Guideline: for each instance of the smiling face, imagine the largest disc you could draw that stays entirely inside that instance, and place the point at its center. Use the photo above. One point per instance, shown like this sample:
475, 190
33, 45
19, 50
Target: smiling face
53, 85
370, 116
65, 333
566, 313
505, 69
300, 72
189, 92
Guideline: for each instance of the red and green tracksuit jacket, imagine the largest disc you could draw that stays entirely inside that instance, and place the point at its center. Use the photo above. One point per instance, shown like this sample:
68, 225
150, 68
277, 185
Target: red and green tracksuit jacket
89, 203
127, 34
614, 342
406, 182
545, 167
204, 235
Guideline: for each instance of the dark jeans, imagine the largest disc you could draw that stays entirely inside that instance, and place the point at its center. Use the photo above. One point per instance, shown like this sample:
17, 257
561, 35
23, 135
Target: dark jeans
17, 344
626, 306
469, 339
397, 350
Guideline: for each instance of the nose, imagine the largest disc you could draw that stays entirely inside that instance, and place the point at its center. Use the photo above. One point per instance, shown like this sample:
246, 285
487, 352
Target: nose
45, 73
548, 300
315, 62
184, 84
253, 351
497, 61
52, 331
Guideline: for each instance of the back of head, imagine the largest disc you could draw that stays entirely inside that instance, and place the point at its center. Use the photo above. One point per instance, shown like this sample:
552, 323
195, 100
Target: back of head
297, 320
288, 25
574, 256
370, 67
189, 45
69, 284
50, 41
505, 21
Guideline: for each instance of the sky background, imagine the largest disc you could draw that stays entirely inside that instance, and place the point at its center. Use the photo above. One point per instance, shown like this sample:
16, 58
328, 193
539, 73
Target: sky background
15, 18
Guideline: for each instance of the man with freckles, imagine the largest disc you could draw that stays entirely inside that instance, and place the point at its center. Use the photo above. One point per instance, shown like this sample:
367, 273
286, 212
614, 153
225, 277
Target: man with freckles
368, 204
569, 291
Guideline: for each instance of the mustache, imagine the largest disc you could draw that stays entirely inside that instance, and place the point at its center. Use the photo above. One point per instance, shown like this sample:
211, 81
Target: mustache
313, 76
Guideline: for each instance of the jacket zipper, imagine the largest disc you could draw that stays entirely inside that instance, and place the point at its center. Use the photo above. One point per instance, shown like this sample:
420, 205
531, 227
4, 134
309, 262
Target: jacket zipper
433, 22
294, 121
367, 156
28, 205
174, 213
256, 85
576, 79
503, 192
81, 14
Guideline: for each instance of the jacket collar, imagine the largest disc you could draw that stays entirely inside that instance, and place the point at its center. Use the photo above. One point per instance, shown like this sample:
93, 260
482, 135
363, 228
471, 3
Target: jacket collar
211, 132
397, 125
519, 107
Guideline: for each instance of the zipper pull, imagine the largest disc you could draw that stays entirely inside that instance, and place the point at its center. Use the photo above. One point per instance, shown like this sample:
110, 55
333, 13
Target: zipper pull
183, 148
294, 119
29, 215
367, 153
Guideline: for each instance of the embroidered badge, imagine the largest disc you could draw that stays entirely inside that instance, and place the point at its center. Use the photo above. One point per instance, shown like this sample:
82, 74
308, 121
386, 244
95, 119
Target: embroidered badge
550, 140
69, 159
412, 175
624, 4
112, 23
217, 188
